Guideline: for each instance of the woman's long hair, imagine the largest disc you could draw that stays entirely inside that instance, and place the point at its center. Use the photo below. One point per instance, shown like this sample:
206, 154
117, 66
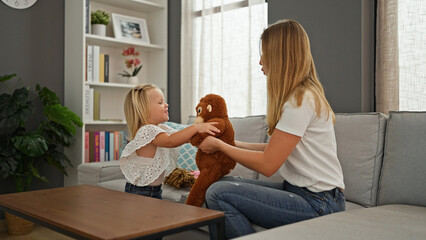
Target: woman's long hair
136, 108
290, 70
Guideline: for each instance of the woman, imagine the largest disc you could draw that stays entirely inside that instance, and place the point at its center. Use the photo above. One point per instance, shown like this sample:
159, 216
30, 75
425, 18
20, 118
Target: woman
302, 147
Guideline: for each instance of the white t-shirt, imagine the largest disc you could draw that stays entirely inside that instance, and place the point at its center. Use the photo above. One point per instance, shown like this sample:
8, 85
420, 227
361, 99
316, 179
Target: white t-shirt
313, 163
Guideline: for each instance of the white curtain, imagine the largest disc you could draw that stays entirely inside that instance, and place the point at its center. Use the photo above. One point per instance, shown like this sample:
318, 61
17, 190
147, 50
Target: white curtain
220, 55
401, 55
412, 54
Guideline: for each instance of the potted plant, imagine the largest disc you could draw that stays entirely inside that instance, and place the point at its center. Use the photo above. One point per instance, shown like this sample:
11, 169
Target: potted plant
133, 63
22, 151
99, 19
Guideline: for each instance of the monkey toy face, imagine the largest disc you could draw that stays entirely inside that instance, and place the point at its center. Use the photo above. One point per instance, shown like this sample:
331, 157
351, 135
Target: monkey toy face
211, 106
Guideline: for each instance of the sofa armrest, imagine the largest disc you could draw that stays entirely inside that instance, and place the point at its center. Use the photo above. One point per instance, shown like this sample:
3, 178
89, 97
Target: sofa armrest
98, 172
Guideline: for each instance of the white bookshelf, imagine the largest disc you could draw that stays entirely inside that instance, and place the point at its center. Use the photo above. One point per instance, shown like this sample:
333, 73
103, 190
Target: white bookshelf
153, 56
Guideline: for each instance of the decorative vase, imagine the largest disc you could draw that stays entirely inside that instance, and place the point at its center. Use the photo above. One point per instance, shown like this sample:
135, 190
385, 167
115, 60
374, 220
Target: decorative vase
99, 29
133, 80
17, 225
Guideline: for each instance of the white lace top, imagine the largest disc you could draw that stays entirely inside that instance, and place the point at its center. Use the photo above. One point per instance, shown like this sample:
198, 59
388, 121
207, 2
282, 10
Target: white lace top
142, 171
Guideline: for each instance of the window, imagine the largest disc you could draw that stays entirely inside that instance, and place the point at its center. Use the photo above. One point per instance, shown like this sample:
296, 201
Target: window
412, 54
220, 54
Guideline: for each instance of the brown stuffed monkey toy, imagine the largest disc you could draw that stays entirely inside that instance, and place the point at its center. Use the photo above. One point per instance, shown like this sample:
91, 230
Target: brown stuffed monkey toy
212, 108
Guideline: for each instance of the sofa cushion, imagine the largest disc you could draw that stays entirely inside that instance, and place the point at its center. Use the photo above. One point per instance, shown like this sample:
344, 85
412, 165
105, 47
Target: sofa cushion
187, 152
360, 138
383, 222
95, 172
403, 174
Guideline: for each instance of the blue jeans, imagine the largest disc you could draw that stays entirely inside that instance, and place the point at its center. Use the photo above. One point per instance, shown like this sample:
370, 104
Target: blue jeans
148, 191
268, 204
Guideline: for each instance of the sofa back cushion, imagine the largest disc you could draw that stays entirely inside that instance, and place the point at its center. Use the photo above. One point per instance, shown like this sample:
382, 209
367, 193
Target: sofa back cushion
247, 129
403, 174
360, 141
96, 172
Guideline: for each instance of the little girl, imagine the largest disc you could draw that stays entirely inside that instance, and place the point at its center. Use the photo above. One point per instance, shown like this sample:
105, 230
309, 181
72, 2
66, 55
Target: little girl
147, 157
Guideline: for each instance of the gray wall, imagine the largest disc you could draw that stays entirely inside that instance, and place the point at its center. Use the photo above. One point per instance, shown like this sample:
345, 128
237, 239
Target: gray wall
173, 87
342, 42
32, 46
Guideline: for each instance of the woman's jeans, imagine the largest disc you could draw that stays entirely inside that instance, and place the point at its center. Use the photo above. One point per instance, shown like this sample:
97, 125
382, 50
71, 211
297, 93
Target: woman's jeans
268, 204
148, 191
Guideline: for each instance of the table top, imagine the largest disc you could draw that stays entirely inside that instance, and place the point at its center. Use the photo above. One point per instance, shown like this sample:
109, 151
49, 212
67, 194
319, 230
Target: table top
100, 213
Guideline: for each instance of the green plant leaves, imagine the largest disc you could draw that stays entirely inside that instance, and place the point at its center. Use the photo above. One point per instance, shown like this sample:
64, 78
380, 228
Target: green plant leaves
7, 166
33, 144
46, 96
136, 71
7, 77
15, 109
22, 151
58, 160
63, 116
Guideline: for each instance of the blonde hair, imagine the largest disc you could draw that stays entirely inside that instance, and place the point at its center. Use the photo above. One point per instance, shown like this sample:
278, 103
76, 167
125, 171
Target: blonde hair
136, 108
290, 70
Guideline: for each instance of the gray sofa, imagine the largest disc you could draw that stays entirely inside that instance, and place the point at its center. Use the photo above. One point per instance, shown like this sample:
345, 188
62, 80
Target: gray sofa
384, 166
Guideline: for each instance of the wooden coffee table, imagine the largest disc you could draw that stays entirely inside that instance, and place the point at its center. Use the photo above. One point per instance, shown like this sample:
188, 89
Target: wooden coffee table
90, 212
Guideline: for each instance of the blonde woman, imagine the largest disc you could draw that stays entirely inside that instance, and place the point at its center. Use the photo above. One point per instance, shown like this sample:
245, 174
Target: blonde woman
302, 148
147, 156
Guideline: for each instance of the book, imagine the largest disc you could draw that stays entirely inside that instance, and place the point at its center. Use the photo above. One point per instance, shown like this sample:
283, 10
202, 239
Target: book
111, 146
116, 146
91, 146
89, 63
86, 147
120, 142
88, 103
106, 146
101, 67
96, 105
101, 146
95, 63
106, 68
87, 18
97, 149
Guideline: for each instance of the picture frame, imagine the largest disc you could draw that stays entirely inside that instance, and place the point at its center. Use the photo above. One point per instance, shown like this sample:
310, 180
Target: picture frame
130, 28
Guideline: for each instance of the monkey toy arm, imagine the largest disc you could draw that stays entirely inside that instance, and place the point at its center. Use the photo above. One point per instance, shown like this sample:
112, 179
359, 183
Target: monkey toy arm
199, 137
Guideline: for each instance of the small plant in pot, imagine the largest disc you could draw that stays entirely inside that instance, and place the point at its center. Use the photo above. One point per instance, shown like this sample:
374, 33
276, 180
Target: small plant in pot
22, 151
99, 19
133, 63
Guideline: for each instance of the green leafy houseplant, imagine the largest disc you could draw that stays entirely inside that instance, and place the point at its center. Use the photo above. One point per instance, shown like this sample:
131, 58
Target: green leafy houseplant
22, 151
99, 17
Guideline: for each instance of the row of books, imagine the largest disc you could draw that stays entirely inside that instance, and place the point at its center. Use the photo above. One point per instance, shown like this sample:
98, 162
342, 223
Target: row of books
101, 146
97, 65
91, 104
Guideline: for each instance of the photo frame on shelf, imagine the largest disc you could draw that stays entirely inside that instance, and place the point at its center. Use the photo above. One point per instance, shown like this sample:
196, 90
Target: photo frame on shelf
130, 28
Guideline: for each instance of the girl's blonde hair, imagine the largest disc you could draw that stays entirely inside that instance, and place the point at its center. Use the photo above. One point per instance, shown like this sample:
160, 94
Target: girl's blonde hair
136, 108
290, 69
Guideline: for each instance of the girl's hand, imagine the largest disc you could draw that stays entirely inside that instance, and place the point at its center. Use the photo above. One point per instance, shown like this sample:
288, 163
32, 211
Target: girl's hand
210, 145
207, 128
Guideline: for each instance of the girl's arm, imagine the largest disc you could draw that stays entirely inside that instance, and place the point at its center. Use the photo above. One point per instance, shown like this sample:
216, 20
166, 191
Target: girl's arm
268, 162
180, 137
251, 146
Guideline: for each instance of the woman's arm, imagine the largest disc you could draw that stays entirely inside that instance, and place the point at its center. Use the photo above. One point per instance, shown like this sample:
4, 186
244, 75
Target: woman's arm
268, 162
251, 146
180, 137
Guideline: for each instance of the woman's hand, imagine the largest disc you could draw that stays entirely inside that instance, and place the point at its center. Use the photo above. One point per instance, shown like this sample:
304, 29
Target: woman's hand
210, 145
207, 128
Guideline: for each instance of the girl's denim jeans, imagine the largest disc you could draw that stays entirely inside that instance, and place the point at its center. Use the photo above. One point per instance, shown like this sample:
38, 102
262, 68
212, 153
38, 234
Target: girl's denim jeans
148, 191
268, 204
